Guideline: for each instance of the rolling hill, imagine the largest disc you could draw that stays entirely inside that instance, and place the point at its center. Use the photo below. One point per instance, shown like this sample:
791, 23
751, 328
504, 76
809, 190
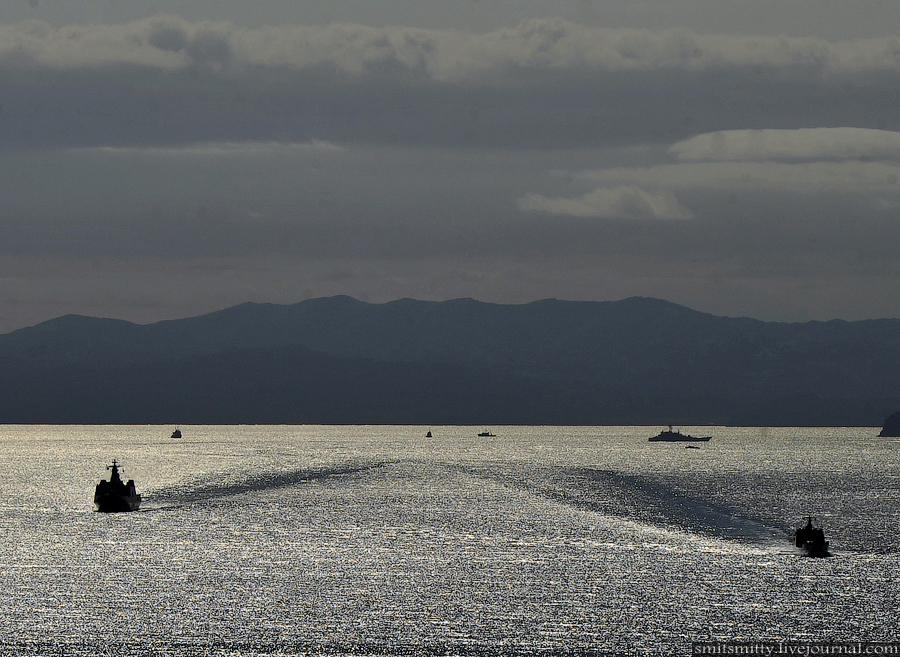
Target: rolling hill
339, 360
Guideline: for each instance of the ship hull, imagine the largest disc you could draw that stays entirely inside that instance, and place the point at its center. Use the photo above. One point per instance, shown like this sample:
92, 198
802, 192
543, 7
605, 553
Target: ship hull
815, 550
679, 439
117, 503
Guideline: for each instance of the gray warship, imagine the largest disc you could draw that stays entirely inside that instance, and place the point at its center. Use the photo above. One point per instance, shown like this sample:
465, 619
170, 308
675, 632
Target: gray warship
115, 496
811, 540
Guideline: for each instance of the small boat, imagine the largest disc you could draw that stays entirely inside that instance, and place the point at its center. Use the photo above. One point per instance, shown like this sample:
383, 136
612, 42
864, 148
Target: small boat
176, 433
486, 434
811, 540
691, 447
114, 496
428, 435
675, 436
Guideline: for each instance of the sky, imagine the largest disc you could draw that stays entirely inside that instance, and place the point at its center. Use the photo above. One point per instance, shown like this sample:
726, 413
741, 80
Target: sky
166, 158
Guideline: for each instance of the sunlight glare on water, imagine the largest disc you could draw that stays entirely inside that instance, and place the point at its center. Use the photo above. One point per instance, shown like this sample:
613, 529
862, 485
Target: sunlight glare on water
376, 540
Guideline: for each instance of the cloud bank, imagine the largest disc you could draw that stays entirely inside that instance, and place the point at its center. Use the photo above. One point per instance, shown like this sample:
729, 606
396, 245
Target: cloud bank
171, 42
544, 83
817, 160
802, 144
827, 161
622, 202
544, 159
807, 176
268, 149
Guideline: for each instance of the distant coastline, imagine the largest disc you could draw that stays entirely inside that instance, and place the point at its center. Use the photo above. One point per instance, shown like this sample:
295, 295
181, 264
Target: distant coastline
337, 360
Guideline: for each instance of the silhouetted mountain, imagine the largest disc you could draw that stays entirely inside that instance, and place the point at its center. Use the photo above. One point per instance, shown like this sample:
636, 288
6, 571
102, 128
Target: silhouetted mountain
338, 360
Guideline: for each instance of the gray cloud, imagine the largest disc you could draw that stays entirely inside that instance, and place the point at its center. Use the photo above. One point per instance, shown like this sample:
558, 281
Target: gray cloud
544, 83
134, 106
164, 167
542, 44
835, 20
621, 202
243, 149
800, 144
851, 176
826, 161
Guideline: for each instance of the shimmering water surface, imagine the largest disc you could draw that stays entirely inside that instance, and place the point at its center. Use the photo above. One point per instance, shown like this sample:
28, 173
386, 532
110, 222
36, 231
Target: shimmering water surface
377, 540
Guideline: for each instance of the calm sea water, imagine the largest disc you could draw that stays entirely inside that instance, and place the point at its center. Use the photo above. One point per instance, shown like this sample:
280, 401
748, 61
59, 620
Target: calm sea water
376, 540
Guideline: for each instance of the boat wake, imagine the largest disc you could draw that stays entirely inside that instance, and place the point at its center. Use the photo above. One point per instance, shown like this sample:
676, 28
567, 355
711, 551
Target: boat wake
639, 499
205, 490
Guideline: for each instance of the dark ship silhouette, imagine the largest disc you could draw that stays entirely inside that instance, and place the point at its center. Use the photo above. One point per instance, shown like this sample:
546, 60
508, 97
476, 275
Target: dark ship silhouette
114, 496
811, 540
891, 428
670, 436
176, 433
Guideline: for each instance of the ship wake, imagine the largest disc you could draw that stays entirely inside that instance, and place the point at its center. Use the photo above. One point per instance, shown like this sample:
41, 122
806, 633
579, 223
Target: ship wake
639, 499
230, 485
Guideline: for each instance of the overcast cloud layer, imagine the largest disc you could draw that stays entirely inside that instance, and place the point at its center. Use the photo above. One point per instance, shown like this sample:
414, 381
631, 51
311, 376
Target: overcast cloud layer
166, 165
170, 42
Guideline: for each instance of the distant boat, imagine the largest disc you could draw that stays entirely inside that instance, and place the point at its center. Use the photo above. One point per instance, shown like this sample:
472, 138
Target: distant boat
485, 434
811, 540
670, 436
691, 447
176, 433
428, 435
891, 428
113, 496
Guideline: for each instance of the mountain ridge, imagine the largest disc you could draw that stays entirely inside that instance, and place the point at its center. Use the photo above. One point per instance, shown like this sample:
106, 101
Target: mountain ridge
635, 361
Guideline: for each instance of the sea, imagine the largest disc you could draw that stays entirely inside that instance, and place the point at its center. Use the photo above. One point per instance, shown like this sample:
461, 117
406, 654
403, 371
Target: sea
378, 540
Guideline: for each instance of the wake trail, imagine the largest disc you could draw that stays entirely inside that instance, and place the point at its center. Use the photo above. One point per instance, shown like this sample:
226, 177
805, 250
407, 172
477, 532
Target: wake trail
634, 498
204, 490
